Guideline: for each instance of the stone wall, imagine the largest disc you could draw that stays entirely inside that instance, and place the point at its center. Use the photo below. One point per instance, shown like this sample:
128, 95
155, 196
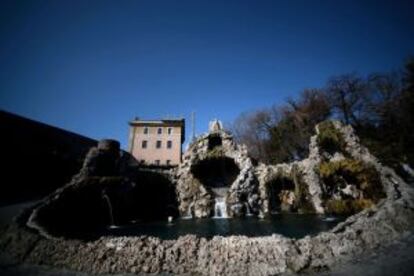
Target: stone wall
37, 158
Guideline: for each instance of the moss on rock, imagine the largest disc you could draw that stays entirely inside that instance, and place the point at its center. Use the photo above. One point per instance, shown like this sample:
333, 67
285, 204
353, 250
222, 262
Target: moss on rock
350, 171
338, 174
216, 152
329, 138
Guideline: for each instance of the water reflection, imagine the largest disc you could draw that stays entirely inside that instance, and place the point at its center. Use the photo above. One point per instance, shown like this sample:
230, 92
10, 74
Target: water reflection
290, 225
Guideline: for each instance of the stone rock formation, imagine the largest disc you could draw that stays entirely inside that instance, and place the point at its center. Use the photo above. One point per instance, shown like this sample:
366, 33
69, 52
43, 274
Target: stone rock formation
217, 178
215, 166
340, 177
110, 189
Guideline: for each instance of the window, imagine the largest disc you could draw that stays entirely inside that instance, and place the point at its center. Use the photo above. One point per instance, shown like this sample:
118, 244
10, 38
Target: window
169, 144
157, 162
159, 131
145, 130
169, 131
144, 144
168, 162
158, 144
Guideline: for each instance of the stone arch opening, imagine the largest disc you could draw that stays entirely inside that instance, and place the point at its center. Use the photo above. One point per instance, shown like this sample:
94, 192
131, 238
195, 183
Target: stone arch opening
281, 194
216, 172
83, 210
214, 141
155, 197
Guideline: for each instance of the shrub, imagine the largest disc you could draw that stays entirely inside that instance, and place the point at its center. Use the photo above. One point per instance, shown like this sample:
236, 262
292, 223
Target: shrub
338, 174
329, 138
350, 171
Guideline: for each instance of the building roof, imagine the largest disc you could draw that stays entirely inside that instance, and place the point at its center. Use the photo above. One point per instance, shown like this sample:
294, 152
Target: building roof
161, 122
137, 121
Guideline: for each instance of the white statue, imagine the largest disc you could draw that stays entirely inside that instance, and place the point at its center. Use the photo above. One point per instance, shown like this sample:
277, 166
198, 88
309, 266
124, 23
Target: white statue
215, 125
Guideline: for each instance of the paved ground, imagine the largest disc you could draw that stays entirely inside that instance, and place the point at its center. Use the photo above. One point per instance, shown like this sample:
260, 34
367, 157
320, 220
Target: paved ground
397, 259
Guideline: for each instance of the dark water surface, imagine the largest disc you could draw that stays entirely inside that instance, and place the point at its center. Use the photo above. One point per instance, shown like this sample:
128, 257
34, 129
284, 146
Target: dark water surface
289, 225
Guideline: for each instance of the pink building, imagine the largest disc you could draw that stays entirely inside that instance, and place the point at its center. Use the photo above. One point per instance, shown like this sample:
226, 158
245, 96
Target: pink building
157, 142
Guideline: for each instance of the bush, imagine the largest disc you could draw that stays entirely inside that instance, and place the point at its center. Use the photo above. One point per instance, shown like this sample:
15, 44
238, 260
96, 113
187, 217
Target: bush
350, 171
338, 174
329, 138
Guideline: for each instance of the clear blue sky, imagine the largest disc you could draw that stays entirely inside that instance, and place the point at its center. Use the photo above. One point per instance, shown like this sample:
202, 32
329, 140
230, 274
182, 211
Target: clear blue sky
90, 66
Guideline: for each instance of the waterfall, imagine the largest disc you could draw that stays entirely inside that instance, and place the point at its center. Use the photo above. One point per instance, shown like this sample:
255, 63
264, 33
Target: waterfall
189, 214
220, 208
110, 211
248, 211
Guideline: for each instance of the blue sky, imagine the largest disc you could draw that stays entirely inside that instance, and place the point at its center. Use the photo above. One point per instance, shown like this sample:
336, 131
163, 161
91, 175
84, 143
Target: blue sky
90, 66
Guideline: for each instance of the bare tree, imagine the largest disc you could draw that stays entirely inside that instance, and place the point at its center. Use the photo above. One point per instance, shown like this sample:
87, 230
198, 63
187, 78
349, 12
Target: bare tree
346, 95
290, 136
252, 129
382, 101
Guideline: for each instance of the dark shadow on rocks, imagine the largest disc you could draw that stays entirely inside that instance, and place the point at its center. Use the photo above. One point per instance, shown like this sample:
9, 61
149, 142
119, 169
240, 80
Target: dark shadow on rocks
81, 210
110, 190
214, 140
155, 196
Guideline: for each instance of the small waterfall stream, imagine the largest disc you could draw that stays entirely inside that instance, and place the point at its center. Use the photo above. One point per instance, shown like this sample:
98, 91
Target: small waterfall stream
248, 211
110, 210
189, 214
220, 208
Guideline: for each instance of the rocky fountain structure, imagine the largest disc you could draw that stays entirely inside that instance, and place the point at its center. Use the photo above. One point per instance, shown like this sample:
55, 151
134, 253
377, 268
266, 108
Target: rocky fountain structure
217, 178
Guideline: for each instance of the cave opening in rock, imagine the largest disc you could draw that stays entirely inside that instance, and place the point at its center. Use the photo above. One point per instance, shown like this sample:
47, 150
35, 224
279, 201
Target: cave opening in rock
81, 209
280, 193
216, 172
155, 197
214, 141
100, 202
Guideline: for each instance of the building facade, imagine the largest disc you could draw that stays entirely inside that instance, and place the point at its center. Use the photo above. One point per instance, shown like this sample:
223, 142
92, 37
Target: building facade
157, 142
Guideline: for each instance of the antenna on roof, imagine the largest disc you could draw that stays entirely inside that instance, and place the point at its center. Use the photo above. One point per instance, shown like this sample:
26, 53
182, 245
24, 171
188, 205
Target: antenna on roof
192, 126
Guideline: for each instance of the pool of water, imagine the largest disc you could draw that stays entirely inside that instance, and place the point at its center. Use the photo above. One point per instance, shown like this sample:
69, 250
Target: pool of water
289, 225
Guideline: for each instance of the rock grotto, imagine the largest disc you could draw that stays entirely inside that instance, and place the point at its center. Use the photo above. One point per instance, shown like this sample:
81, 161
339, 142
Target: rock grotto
339, 177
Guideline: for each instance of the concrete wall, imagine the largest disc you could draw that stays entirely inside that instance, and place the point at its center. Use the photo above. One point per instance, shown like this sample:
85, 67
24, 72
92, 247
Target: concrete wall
36, 158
